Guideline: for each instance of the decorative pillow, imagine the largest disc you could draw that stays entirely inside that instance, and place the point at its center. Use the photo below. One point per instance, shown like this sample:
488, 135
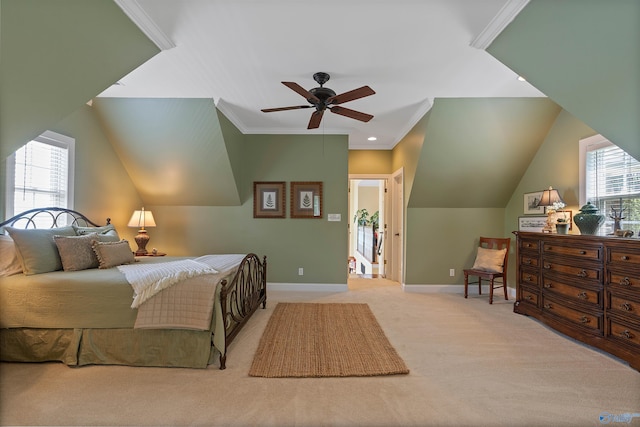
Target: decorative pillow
36, 249
107, 233
76, 252
111, 254
9, 262
491, 260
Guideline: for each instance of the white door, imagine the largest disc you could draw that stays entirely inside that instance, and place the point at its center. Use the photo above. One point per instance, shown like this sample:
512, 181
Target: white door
396, 234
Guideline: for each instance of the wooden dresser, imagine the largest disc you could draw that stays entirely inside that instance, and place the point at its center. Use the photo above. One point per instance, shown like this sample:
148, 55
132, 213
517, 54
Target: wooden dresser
587, 287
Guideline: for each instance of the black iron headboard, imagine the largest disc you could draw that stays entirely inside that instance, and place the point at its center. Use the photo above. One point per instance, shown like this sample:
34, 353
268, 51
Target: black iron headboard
29, 219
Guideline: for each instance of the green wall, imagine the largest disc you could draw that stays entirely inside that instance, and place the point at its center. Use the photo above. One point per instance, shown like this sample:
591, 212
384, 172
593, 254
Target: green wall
555, 164
585, 55
316, 245
102, 187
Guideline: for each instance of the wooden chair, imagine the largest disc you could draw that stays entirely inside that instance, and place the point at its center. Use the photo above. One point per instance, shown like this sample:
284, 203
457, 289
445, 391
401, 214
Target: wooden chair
491, 273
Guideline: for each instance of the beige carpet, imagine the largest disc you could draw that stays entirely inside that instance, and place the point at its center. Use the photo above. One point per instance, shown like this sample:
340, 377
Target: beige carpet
324, 340
472, 364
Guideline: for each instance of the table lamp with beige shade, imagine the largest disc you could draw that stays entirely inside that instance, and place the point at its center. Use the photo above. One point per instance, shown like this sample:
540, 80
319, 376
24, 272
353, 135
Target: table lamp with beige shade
142, 219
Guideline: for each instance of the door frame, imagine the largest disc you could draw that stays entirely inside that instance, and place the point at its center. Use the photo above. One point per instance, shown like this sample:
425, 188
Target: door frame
389, 206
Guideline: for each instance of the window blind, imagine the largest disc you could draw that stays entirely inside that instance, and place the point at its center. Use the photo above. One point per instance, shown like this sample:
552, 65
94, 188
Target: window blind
613, 183
40, 176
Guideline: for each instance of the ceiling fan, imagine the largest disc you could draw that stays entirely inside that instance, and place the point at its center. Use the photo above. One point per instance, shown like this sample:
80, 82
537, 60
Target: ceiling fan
322, 98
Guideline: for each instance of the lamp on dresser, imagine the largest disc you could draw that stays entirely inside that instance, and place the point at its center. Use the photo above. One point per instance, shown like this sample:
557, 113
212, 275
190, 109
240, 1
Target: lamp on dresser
142, 219
550, 198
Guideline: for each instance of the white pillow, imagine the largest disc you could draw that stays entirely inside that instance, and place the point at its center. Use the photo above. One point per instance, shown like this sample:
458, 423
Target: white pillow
490, 260
9, 262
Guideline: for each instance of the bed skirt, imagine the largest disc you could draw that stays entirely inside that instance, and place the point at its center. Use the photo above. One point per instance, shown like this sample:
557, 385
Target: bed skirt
131, 347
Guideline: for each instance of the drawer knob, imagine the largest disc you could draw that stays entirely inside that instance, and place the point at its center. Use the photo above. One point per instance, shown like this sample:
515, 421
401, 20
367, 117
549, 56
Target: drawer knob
626, 306
625, 281
548, 285
527, 277
548, 306
585, 319
583, 252
583, 273
547, 266
624, 258
528, 298
583, 295
527, 261
626, 334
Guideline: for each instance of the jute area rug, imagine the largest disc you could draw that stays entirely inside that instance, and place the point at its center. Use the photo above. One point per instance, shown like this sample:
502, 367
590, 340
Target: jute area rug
324, 340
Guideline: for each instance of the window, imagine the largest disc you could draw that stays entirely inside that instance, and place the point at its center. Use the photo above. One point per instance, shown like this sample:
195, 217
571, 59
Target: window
610, 180
40, 174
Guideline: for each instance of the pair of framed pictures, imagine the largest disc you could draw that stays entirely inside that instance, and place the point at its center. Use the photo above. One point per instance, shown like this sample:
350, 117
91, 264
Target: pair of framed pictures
269, 200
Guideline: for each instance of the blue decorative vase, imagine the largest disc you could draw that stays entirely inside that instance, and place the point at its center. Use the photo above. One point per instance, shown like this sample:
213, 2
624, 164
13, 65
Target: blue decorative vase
588, 220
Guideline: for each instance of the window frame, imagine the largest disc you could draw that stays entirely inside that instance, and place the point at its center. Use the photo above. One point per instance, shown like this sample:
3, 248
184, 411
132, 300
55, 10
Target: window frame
592, 143
51, 138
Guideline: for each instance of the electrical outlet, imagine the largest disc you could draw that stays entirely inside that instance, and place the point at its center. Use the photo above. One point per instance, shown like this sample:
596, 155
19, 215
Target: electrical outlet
300, 271
452, 272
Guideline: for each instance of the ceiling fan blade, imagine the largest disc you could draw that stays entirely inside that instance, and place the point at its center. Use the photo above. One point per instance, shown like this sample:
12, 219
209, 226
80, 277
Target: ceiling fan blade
297, 107
361, 92
316, 117
353, 114
302, 91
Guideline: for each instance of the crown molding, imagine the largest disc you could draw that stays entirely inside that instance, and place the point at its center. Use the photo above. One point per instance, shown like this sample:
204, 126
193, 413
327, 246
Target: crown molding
423, 109
509, 11
137, 14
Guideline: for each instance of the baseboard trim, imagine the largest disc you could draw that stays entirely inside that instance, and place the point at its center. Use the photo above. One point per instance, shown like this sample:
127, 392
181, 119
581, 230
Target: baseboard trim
452, 289
308, 287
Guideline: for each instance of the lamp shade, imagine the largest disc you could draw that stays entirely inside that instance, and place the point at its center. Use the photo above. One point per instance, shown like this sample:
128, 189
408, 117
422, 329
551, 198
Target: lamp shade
549, 197
142, 219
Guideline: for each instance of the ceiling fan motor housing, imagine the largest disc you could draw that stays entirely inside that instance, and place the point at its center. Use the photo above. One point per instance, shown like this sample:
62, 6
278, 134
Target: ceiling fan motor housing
322, 93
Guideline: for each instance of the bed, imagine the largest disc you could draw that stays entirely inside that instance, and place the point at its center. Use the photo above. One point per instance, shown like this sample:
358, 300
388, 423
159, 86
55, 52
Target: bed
78, 312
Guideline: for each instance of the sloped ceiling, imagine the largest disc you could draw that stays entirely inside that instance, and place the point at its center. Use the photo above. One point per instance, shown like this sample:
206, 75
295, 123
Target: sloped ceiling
57, 55
174, 150
475, 150
585, 55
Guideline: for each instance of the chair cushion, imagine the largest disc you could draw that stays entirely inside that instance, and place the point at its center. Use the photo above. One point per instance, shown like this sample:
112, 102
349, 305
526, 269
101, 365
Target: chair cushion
490, 260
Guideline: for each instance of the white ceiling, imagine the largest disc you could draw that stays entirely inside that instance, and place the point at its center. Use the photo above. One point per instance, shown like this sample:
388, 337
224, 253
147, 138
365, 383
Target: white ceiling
238, 51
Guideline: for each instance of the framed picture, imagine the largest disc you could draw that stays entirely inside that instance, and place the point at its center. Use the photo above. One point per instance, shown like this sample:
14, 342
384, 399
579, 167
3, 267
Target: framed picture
533, 223
568, 215
306, 200
269, 199
531, 201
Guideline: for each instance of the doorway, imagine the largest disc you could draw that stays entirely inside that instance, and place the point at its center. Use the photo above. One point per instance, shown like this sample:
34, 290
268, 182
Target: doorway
367, 226
382, 198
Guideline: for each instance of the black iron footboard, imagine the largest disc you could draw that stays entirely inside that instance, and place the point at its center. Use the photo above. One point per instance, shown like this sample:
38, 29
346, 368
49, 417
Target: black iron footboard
241, 297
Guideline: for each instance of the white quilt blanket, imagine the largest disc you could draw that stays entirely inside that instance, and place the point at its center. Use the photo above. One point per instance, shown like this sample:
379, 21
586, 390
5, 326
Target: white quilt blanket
189, 303
149, 279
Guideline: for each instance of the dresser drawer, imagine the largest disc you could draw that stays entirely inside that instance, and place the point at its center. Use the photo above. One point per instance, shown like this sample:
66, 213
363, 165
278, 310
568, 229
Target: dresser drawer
576, 270
590, 320
527, 260
622, 279
529, 245
579, 294
593, 253
529, 277
528, 295
623, 332
623, 257
623, 305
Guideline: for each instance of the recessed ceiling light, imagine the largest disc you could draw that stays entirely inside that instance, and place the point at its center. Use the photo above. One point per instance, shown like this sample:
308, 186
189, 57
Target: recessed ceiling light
522, 79
372, 138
